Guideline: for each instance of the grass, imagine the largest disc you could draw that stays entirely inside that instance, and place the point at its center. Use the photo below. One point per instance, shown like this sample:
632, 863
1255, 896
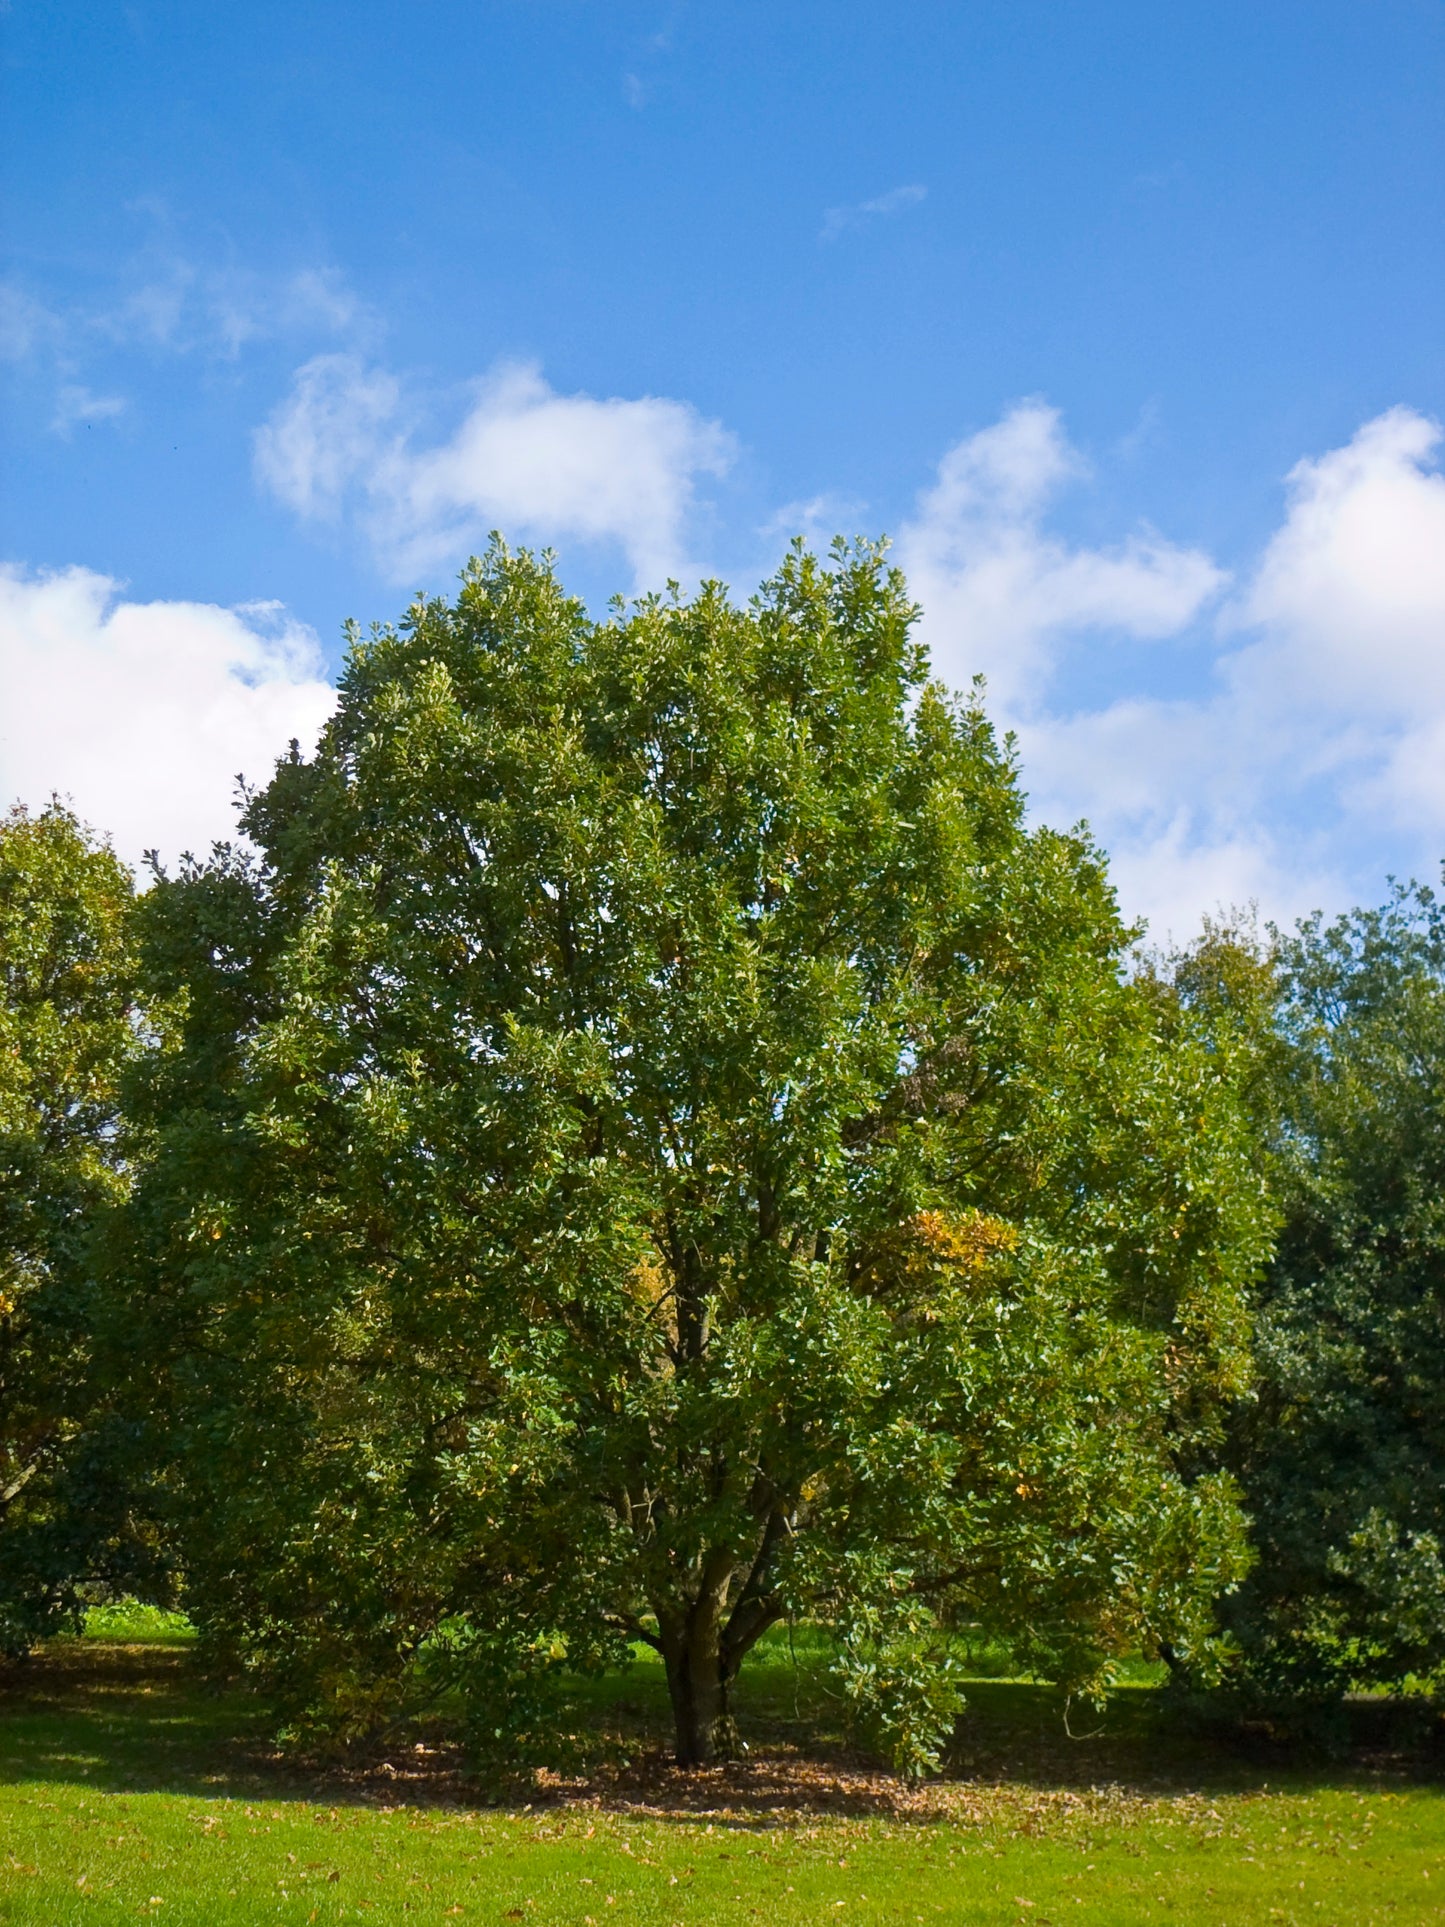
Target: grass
128, 1791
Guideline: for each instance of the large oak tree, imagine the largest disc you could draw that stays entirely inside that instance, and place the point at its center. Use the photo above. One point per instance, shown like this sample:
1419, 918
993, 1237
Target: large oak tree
659, 1146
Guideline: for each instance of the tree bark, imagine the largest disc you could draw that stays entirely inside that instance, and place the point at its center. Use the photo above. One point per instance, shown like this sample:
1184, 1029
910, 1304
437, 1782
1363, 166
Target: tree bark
697, 1675
699, 1692
704, 1644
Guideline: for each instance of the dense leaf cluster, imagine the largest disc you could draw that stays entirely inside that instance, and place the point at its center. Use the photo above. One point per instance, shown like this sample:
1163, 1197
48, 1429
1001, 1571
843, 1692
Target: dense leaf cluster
1344, 1453
69, 1025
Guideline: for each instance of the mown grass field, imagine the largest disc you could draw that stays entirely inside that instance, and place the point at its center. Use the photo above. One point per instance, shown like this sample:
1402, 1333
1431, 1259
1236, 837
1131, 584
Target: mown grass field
130, 1791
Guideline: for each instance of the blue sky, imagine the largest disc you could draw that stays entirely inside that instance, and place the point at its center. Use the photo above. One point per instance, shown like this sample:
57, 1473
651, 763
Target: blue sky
299, 301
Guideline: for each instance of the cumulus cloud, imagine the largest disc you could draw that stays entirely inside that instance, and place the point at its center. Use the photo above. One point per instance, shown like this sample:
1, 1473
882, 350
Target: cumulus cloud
144, 713
1351, 590
548, 466
1001, 594
1319, 740
1303, 759
838, 220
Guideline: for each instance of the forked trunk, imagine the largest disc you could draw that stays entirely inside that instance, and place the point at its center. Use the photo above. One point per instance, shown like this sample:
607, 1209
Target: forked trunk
704, 1644
698, 1675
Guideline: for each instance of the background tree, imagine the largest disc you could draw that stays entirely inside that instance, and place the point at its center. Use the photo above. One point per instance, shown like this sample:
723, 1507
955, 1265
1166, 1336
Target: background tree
1343, 1453
658, 1146
68, 1027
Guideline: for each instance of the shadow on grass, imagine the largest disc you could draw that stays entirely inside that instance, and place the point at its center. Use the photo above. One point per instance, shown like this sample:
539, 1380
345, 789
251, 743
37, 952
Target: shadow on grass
134, 1718
127, 1718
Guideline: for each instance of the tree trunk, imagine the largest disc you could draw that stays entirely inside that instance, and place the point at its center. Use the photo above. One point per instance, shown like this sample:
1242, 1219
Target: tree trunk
701, 1723
697, 1674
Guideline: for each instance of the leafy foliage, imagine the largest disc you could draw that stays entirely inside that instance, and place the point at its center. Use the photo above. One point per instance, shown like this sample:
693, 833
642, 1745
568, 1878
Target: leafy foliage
1342, 1454
657, 1146
68, 1028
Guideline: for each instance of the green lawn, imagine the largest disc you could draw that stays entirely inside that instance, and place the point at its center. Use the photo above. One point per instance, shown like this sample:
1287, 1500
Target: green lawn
129, 1792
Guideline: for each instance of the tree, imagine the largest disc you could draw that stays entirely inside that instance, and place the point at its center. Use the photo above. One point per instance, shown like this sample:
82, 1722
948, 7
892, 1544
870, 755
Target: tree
658, 1146
68, 1028
1341, 1455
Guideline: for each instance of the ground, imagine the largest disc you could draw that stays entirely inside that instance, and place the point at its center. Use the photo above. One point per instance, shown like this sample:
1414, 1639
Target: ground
131, 1790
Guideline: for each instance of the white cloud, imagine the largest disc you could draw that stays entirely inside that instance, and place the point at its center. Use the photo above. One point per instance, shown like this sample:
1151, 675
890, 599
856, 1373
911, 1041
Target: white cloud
817, 519
1306, 758
837, 220
1001, 595
75, 404
174, 307
1176, 879
153, 312
26, 324
144, 713
1198, 806
544, 465
1347, 667
333, 431
1318, 743
184, 307
1351, 590
640, 80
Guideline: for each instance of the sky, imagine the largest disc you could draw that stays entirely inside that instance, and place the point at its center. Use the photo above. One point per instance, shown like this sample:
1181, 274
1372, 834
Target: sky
1125, 323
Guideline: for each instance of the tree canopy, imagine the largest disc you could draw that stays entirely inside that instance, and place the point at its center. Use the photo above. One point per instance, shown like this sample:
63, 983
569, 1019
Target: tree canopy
657, 1146
1341, 1455
69, 1025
